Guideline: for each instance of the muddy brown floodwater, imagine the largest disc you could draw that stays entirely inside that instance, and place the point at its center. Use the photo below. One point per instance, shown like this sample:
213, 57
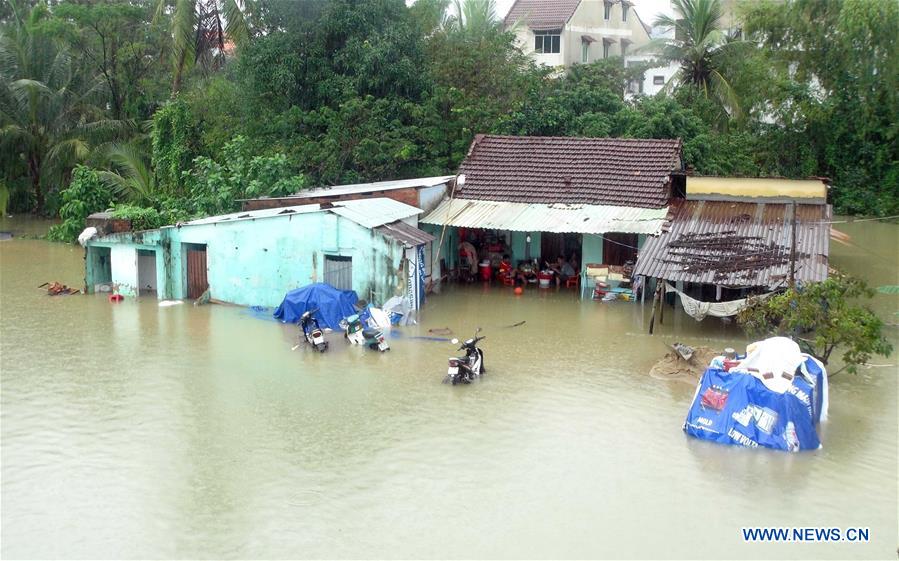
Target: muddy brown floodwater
132, 430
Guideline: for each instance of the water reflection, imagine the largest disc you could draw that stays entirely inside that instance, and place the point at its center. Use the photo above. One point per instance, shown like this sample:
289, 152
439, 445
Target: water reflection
131, 430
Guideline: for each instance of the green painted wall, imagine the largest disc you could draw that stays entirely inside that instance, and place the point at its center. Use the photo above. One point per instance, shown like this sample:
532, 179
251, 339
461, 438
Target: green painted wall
591, 249
519, 245
256, 261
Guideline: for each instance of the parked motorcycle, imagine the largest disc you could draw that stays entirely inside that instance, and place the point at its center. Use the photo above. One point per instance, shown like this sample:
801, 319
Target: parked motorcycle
312, 332
464, 369
357, 334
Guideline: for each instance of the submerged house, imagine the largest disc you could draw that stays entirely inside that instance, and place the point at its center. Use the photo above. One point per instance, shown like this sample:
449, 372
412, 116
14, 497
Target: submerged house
731, 237
544, 197
371, 246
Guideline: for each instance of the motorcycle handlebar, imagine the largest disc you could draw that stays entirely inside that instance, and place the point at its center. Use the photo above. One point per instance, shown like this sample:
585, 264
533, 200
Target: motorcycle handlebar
476, 339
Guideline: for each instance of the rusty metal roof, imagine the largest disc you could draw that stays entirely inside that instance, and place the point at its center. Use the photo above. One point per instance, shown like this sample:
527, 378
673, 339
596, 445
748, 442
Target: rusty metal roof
542, 15
539, 217
592, 171
402, 232
694, 246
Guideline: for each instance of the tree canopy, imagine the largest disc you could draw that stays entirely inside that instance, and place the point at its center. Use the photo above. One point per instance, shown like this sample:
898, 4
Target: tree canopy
331, 91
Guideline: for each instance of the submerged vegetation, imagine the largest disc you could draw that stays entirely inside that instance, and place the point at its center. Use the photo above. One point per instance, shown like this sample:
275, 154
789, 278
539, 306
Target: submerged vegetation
822, 317
180, 107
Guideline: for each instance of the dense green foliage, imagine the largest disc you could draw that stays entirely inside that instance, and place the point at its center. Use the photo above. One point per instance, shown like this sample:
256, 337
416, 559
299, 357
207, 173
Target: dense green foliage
87, 193
277, 95
215, 187
822, 317
835, 87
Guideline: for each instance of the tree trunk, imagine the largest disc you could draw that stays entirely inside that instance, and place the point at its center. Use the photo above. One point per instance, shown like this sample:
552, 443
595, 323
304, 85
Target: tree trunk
179, 70
35, 168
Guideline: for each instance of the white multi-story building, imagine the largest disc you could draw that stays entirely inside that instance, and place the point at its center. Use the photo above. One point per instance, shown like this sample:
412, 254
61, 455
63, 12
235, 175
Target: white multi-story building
560, 33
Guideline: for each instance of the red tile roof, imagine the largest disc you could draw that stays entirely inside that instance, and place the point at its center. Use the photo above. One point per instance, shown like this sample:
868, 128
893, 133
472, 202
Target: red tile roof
542, 14
549, 169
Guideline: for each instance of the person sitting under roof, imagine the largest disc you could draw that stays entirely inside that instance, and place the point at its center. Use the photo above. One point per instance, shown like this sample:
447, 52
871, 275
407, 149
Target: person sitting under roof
506, 270
562, 269
469, 261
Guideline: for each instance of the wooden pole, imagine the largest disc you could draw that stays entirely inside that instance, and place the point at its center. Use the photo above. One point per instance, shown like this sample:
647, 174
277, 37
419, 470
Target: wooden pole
652, 318
793, 247
661, 301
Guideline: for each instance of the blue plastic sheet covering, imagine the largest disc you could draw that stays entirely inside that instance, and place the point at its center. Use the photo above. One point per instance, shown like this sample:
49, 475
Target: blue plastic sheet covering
333, 304
736, 408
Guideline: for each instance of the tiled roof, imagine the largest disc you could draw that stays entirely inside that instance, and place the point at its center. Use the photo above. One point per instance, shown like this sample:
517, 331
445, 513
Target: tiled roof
599, 171
738, 244
542, 14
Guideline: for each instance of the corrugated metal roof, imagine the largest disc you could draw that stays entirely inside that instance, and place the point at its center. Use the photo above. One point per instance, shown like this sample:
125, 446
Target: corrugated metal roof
768, 223
540, 217
374, 212
409, 235
369, 213
365, 187
252, 215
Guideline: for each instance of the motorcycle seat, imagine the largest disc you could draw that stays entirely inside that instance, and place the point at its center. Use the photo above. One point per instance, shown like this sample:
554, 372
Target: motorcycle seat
371, 333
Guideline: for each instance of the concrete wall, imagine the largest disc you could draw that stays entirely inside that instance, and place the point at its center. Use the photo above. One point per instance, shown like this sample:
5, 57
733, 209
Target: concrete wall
123, 249
588, 20
519, 245
255, 262
591, 249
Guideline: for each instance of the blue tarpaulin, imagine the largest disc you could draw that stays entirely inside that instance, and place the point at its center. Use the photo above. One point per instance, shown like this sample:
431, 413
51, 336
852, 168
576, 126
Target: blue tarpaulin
737, 408
333, 304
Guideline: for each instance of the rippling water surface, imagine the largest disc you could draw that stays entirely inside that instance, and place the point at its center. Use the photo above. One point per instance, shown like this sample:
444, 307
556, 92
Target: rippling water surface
132, 430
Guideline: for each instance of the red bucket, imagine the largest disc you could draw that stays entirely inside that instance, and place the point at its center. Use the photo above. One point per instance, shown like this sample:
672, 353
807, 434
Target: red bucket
486, 271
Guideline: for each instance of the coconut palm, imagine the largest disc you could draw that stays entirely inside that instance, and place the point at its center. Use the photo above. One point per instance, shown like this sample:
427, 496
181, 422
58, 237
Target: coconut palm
130, 176
699, 46
475, 18
201, 30
48, 116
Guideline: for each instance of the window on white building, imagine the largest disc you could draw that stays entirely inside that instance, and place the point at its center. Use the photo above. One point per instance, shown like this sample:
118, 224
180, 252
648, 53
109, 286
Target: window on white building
623, 12
607, 11
658, 80
623, 48
605, 49
547, 42
585, 52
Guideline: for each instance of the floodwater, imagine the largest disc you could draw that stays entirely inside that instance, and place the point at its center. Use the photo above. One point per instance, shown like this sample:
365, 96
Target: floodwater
135, 431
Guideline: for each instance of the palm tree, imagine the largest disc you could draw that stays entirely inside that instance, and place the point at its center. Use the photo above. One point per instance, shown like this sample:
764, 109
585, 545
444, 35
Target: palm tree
131, 176
699, 46
48, 118
201, 30
474, 18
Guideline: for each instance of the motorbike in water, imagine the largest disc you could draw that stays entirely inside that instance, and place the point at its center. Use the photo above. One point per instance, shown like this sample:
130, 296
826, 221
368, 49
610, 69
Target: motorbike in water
312, 332
356, 333
464, 369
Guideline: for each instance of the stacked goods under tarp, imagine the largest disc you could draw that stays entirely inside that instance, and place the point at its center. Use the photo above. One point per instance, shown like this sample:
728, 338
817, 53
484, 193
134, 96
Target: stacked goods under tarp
332, 304
774, 396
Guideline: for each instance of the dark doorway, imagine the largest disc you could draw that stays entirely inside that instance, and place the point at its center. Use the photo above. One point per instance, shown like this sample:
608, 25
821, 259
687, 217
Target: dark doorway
553, 246
618, 249
339, 271
197, 282
146, 272
101, 265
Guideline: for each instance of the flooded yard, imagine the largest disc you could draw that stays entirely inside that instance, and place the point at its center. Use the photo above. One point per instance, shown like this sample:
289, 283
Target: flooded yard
133, 430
